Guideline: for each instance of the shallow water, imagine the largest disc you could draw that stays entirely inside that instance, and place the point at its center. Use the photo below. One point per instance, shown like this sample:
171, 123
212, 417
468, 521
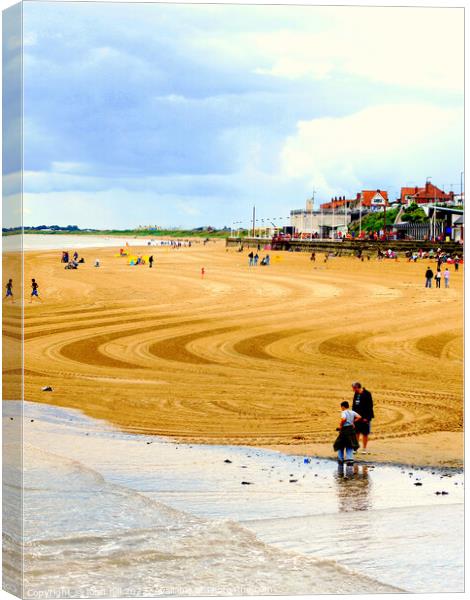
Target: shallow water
39, 241
108, 512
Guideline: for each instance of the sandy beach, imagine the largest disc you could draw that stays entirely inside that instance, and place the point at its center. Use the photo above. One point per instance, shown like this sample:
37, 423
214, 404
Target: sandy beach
249, 356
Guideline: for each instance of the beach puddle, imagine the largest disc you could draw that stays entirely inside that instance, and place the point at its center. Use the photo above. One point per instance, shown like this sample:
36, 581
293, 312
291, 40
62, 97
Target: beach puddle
134, 515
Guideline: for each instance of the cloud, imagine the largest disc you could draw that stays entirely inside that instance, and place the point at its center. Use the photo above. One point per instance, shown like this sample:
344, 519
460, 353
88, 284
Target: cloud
380, 146
195, 112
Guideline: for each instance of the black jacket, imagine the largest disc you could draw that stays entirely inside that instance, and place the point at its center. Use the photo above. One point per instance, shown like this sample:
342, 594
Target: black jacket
429, 274
346, 439
363, 404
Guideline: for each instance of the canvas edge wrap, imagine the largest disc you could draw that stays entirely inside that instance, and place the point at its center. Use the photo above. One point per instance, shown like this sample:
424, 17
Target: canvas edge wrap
12, 325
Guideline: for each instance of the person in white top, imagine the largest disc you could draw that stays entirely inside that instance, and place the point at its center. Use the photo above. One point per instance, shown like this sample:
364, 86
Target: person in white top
346, 439
446, 277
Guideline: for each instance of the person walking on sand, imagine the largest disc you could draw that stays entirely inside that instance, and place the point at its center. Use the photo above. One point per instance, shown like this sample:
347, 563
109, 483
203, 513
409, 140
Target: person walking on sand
250, 259
34, 290
446, 277
364, 405
203, 272
256, 259
312, 258
150, 262
438, 278
429, 276
346, 439
9, 291
456, 262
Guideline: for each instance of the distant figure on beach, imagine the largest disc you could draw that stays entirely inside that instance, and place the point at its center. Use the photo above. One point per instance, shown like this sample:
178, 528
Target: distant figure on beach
150, 261
446, 277
97, 262
438, 277
312, 257
34, 290
9, 290
456, 262
346, 439
250, 259
364, 405
256, 259
326, 257
429, 276
75, 255
203, 272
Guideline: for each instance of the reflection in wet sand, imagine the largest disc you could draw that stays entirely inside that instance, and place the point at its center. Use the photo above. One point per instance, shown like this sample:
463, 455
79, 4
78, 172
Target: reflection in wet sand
353, 487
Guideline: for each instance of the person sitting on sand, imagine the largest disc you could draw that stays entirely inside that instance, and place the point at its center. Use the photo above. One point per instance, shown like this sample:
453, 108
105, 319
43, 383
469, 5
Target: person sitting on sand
346, 439
364, 405
97, 262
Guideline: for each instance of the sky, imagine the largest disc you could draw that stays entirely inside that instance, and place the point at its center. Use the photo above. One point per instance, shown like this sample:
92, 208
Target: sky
186, 116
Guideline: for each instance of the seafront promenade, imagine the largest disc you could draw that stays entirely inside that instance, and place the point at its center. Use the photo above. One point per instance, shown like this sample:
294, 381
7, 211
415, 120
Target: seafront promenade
346, 247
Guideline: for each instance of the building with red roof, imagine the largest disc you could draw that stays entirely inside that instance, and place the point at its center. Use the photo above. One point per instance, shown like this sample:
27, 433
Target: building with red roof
429, 194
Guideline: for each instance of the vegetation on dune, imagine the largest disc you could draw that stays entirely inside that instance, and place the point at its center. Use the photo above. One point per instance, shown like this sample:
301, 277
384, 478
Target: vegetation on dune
414, 214
375, 221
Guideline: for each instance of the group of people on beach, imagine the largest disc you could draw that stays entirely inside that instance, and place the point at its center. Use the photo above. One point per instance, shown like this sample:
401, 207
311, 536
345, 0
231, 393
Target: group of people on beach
253, 260
355, 422
71, 262
441, 259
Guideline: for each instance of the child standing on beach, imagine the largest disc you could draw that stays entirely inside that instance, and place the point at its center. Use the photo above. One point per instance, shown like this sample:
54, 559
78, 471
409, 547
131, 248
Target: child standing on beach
346, 439
9, 290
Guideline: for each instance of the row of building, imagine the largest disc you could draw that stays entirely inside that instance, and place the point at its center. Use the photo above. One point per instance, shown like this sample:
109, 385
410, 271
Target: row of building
333, 217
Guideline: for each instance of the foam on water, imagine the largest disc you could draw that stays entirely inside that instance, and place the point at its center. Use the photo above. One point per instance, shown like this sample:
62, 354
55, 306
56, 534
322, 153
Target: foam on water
108, 513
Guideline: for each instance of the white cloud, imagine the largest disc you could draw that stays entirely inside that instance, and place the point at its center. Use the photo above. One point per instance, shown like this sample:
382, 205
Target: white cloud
412, 47
395, 142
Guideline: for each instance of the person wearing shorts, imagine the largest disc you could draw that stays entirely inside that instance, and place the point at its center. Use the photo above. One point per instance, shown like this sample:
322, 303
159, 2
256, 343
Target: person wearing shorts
364, 405
9, 290
34, 290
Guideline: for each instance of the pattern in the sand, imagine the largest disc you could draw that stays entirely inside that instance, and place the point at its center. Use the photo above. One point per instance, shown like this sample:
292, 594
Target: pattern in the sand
244, 356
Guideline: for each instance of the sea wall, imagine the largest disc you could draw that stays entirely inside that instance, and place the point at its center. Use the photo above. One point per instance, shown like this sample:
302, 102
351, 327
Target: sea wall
347, 247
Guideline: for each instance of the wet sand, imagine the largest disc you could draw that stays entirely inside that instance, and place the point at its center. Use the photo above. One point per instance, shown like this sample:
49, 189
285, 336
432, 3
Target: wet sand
258, 357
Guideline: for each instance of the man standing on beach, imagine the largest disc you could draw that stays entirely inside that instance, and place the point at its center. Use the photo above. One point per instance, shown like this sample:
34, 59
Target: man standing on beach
363, 404
429, 276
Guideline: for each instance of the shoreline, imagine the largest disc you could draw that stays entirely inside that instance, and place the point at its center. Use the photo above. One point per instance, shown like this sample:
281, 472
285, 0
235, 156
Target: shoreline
288, 512
312, 451
254, 357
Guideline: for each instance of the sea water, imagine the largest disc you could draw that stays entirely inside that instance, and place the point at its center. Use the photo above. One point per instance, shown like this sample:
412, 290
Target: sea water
109, 513
37, 241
